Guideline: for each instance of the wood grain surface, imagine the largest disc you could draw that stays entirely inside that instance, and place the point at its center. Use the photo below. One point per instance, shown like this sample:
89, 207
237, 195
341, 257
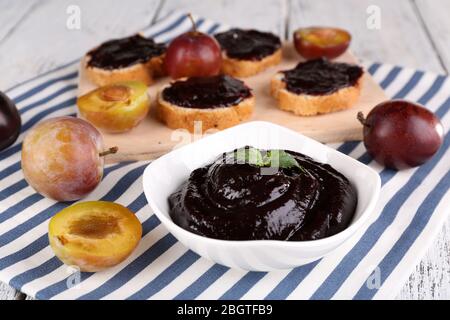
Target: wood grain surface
414, 33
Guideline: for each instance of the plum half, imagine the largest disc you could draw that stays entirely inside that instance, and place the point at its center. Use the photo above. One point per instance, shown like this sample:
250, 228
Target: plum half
115, 108
317, 42
94, 235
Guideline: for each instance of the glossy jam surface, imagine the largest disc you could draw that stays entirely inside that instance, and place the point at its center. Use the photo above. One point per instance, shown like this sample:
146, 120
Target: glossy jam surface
248, 44
207, 92
121, 53
320, 77
234, 201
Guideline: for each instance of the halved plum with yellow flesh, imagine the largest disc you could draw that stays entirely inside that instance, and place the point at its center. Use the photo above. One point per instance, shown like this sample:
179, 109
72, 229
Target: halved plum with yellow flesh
94, 235
116, 108
317, 42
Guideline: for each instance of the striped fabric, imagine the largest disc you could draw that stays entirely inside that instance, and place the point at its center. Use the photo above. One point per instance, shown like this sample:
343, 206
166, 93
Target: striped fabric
373, 264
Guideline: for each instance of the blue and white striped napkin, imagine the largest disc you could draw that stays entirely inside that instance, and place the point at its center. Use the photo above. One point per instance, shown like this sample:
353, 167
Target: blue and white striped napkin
375, 263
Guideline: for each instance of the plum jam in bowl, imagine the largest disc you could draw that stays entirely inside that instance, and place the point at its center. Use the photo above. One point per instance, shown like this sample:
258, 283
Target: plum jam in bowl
260, 197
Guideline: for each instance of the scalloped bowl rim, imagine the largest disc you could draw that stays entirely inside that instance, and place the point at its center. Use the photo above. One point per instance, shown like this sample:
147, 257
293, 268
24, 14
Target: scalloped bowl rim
339, 237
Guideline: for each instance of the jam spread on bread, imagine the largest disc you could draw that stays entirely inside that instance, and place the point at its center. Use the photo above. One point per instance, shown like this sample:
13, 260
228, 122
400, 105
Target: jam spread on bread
321, 77
121, 53
206, 92
248, 44
236, 200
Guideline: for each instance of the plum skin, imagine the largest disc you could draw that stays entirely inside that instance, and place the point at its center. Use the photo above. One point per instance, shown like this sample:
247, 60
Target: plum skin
400, 134
61, 158
10, 122
193, 54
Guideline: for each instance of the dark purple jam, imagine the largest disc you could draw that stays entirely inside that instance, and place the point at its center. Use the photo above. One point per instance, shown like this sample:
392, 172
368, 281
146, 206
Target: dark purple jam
248, 44
207, 92
121, 53
321, 77
233, 201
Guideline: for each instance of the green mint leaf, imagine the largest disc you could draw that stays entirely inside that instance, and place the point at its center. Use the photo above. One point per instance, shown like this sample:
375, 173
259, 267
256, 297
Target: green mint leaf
271, 158
282, 159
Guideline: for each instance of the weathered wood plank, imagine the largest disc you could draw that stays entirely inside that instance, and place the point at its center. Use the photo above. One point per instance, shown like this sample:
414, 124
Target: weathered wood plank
262, 14
431, 280
8, 293
435, 15
400, 40
43, 41
12, 13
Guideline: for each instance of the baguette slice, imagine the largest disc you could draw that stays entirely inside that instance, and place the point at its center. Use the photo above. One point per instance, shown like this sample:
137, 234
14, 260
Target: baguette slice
309, 105
177, 117
133, 58
247, 68
143, 72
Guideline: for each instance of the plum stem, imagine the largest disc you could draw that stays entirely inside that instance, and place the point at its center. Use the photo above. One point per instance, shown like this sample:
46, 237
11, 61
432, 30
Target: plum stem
360, 117
111, 150
194, 26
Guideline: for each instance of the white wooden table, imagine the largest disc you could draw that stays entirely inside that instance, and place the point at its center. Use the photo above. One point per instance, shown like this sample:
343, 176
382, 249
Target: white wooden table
414, 33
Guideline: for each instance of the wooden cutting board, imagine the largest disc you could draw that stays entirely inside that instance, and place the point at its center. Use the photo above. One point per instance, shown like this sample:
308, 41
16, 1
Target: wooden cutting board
151, 138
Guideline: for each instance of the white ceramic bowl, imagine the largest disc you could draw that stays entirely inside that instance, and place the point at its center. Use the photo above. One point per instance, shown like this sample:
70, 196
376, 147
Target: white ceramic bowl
164, 175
